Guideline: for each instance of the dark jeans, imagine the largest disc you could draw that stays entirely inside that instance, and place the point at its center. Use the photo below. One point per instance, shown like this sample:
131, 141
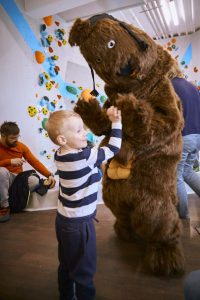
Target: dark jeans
77, 257
192, 286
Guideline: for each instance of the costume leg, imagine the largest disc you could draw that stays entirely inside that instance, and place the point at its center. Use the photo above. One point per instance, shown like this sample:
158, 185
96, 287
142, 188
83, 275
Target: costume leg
123, 227
114, 195
192, 286
159, 225
6, 179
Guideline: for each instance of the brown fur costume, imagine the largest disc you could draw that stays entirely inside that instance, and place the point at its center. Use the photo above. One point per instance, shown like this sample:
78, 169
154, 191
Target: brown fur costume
137, 74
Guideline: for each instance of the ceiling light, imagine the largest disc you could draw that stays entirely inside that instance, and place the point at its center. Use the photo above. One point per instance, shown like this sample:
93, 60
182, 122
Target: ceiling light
136, 20
192, 10
173, 11
181, 6
158, 12
166, 12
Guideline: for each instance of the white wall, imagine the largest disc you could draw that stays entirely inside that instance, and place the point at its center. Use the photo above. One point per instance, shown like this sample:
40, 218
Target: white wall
19, 82
180, 46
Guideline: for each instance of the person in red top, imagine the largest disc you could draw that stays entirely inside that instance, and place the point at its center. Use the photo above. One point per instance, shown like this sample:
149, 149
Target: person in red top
13, 154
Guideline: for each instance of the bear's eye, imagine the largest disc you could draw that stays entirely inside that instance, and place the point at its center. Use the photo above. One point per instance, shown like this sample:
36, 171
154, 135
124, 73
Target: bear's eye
111, 44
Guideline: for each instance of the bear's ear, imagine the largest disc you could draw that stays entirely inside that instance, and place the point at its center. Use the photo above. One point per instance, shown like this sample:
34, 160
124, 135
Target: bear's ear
79, 32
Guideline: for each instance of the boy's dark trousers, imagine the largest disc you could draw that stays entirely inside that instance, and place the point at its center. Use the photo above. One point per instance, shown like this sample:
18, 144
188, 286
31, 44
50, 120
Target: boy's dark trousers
77, 256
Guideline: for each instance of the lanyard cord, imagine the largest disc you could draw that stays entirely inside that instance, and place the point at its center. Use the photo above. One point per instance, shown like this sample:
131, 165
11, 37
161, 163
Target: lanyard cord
94, 91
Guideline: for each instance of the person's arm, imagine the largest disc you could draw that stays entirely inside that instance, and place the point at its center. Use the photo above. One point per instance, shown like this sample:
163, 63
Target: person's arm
7, 161
38, 166
97, 156
50, 181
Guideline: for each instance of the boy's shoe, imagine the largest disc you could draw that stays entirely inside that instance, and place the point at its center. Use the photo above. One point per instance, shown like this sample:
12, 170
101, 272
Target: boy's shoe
4, 214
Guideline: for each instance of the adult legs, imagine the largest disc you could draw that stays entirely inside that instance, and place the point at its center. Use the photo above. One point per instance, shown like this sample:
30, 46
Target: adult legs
6, 179
190, 176
185, 172
33, 182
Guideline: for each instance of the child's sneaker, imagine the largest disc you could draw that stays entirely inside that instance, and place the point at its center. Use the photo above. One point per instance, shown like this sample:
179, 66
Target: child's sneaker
4, 214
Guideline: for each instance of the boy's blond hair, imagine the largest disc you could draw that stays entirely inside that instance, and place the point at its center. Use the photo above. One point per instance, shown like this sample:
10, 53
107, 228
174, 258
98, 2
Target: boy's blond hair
56, 122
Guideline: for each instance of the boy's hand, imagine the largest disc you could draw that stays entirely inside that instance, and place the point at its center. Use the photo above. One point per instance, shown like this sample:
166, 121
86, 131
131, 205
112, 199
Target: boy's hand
114, 114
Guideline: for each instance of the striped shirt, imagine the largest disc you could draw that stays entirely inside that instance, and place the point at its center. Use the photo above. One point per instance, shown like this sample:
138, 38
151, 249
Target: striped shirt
79, 176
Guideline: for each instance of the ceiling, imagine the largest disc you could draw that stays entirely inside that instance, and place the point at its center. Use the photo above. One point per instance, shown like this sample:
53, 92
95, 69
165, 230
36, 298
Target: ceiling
156, 17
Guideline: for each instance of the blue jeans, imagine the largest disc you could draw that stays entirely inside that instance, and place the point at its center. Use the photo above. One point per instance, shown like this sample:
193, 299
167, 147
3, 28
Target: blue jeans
192, 286
185, 172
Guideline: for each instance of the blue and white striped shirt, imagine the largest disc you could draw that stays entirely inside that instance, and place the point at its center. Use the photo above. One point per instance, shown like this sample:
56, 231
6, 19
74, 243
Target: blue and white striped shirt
79, 176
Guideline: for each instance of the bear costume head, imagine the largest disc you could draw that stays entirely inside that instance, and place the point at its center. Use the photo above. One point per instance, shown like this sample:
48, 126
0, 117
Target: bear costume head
125, 57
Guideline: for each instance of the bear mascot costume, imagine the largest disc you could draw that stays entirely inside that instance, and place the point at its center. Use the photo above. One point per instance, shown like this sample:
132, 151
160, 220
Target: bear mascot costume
139, 184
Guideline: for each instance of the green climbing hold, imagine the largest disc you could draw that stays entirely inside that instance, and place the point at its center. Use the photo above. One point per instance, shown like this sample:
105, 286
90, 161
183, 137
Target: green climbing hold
103, 99
44, 123
71, 90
